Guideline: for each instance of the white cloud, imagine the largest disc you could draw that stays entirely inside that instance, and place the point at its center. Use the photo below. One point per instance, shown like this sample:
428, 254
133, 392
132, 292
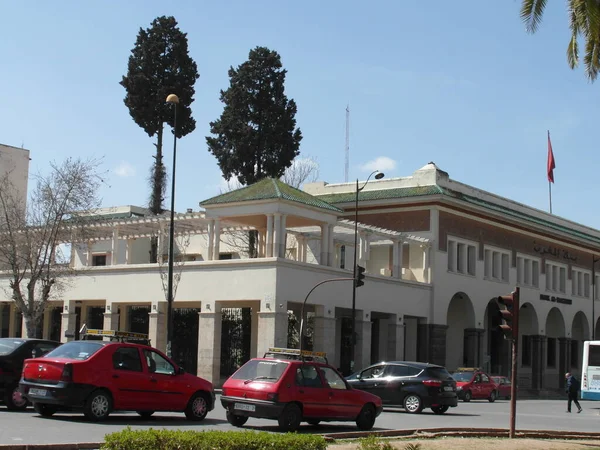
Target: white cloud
381, 163
124, 169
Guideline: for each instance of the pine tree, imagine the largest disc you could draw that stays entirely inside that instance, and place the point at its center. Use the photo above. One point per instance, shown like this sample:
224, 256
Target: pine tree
160, 65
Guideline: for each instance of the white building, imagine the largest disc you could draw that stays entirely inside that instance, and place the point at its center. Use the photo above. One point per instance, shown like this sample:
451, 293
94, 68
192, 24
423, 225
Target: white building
437, 254
14, 164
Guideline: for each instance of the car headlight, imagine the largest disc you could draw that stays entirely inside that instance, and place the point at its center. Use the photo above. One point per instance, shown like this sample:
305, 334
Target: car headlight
459, 388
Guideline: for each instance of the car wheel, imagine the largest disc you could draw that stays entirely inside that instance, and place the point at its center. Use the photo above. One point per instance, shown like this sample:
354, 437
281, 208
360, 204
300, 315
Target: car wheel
492, 397
14, 400
290, 418
413, 404
236, 421
467, 397
439, 409
145, 414
45, 410
197, 407
366, 418
314, 422
98, 406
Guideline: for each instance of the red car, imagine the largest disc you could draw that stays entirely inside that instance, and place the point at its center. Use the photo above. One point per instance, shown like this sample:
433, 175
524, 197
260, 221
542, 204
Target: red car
294, 391
99, 377
504, 386
472, 383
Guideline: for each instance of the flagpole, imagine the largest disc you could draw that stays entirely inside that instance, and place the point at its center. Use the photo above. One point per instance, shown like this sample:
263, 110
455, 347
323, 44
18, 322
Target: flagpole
550, 192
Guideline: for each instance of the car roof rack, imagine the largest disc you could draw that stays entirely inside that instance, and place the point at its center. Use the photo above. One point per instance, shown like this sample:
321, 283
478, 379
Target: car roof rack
296, 354
468, 369
114, 335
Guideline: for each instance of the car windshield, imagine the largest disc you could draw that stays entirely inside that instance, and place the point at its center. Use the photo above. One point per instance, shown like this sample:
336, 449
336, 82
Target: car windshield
9, 345
79, 350
462, 376
263, 370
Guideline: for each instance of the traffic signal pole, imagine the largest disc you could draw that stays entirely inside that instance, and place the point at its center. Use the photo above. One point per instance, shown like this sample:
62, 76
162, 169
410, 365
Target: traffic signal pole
510, 328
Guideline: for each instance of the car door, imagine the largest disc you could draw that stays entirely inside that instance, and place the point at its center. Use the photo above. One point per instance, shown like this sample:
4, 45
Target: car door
476, 391
486, 385
397, 384
168, 393
129, 383
370, 379
310, 391
341, 401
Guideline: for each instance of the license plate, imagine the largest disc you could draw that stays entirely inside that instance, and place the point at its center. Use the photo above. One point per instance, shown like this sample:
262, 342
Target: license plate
38, 392
448, 388
244, 407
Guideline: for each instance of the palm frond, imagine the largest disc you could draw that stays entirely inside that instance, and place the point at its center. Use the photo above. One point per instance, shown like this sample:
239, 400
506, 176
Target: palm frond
531, 13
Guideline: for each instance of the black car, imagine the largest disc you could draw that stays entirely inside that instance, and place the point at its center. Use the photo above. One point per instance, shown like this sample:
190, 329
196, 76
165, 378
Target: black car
411, 385
13, 351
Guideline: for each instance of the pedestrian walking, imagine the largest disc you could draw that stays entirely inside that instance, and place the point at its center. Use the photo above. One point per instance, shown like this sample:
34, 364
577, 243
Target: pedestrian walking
572, 391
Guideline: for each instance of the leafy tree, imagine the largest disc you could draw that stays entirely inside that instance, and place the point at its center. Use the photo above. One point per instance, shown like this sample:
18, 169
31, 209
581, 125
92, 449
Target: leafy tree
160, 65
256, 136
584, 21
35, 267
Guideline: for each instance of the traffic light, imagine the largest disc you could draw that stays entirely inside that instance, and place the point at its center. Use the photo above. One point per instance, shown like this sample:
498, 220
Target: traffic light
360, 276
510, 314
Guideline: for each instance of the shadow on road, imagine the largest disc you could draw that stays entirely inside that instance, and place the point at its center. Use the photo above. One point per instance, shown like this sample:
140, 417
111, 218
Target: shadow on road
324, 428
118, 419
430, 413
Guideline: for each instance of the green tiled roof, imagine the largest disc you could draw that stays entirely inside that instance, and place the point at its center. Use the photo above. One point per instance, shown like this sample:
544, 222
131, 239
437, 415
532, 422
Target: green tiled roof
383, 194
519, 215
270, 188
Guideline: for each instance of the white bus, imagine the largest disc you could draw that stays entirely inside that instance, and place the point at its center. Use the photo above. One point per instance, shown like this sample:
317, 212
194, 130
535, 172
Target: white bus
590, 371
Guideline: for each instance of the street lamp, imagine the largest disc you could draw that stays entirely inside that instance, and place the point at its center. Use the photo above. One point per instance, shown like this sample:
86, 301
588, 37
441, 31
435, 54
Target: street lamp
379, 176
174, 100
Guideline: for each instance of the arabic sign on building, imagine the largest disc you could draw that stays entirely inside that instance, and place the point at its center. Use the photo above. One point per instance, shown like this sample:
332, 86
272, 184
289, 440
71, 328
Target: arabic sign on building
552, 298
553, 251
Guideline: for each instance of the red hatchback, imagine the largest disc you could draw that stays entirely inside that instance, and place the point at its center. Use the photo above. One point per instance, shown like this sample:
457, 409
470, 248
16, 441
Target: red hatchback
99, 377
295, 391
472, 383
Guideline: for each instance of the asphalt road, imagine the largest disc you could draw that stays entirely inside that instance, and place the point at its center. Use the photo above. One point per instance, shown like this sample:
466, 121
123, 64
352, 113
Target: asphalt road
29, 428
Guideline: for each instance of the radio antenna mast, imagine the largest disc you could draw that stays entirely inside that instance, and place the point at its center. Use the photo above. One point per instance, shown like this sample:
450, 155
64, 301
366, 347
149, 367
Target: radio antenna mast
347, 144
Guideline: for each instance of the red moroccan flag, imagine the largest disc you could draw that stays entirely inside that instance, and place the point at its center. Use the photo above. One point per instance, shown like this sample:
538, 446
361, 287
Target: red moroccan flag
551, 163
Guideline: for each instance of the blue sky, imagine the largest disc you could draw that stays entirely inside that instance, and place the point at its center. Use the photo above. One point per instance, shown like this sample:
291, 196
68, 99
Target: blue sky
461, 84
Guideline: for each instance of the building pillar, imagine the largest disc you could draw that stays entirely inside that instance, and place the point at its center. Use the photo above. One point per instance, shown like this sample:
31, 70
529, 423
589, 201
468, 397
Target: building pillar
88, 254
261, 243
157, 329
432, 343
283, 236
472, 348
217, 240
299, 240
68, 321
273, 326
45, 322
426, 264
397, 259
276, 235
114, 251
209, 345
481, 346
396, 334
362, 256
111, 318
538, 361
324, 333
363, 342
564, 360
211, 241
269, 247
324, 244
160, 244
128, 252
330, 247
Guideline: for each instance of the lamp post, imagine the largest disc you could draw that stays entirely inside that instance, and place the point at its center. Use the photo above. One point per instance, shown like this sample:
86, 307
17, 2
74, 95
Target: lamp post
379, 176
594, 261
174, 100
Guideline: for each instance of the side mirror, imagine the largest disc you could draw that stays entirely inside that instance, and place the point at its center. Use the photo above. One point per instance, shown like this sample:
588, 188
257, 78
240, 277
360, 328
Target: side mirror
180, 371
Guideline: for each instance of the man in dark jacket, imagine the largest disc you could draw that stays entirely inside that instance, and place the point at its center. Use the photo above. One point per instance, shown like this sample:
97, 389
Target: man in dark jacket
572, 390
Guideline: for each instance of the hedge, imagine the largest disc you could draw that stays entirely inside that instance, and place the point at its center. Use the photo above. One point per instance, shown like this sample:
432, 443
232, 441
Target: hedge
152, 439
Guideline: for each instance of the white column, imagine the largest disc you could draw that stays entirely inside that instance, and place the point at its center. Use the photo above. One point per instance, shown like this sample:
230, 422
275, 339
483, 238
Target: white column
160, 244
330, 247
260, 242
397, 258
324, 244
299, 240
211, 241
426, 264
277, 235
217, 239
115, 247
269, 246
128, 244
283, 231
88, 257
304, 248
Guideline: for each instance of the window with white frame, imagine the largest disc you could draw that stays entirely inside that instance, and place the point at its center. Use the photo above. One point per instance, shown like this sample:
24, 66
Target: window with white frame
580, 283
461, 257
528, 271
496, 264
556, 277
